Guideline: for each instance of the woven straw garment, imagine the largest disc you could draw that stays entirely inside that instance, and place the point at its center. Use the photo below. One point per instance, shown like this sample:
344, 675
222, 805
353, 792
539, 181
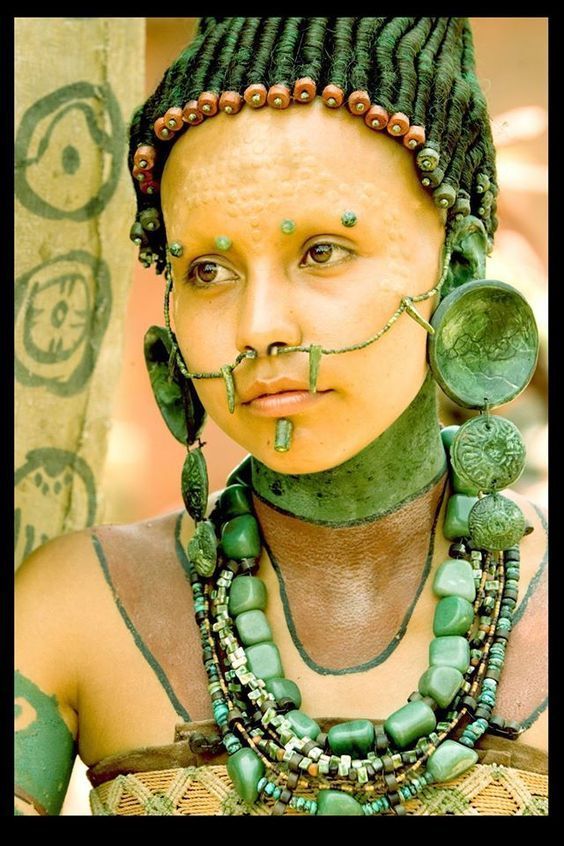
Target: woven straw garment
510, 779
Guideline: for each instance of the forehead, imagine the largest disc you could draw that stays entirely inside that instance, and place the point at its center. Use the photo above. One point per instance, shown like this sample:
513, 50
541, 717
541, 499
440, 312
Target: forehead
267, 159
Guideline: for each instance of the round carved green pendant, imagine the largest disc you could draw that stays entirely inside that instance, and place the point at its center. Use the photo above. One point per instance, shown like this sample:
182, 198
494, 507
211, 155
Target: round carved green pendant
485, 346
488, 453
495, 523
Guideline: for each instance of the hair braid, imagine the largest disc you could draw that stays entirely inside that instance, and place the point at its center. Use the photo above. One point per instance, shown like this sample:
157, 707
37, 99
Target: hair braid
365, 36
258, 71
342, 53
195, 81
443, 81
426, 67
311, 56
283, 66
243, 55
217, 76
407, 52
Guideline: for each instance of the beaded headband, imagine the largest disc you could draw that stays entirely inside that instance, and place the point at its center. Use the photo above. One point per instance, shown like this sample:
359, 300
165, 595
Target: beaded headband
412, 78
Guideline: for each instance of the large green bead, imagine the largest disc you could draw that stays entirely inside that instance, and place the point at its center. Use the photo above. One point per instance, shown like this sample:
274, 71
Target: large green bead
414, 720
442, 683
253, 627
284, 689
240, 537
355, 738
453, 616
457, 513
264, 660
242, 473
454, 578
247, 593
335, 803
303, 725
459, 486
447, 435
450, 651
450, 760
235, 500
245, 769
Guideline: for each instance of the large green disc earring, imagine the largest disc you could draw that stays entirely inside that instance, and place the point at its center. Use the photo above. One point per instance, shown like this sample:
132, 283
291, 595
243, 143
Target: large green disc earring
485, 346
483, 354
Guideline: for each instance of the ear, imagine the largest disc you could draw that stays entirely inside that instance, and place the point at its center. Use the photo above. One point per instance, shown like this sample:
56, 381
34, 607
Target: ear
176, 396
468, 259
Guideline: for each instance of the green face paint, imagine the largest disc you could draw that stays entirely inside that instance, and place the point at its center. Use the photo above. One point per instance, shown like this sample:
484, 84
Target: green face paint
44, 747
349, 219
223, 242
288, 226
405, 459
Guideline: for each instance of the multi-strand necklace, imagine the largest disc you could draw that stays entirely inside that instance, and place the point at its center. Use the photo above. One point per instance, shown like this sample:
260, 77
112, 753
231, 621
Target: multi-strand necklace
278, 754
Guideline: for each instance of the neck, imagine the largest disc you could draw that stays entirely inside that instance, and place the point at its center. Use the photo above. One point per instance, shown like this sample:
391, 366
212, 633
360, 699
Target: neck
396, 467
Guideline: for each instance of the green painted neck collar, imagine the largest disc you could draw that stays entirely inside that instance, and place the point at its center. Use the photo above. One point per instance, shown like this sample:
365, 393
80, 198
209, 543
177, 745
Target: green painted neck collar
399, 465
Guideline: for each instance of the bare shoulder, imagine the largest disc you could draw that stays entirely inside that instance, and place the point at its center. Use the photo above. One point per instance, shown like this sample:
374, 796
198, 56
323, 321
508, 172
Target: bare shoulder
523, 689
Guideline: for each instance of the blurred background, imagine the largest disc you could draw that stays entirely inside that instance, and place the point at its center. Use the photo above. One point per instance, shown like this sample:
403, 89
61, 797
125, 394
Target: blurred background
142, 477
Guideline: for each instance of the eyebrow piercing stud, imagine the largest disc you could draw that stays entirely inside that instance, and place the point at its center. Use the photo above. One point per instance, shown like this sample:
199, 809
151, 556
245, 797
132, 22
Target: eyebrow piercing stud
288, 226
223, 242
176, 249
349, 219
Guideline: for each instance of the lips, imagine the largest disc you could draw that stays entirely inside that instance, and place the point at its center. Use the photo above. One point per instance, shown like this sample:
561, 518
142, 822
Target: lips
274, 386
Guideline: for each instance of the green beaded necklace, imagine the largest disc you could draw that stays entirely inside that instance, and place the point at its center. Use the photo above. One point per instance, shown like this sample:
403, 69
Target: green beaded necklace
277, 753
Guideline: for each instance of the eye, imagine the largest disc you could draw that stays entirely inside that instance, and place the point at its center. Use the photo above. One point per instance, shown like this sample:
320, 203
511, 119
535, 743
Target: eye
204, 274
325, 252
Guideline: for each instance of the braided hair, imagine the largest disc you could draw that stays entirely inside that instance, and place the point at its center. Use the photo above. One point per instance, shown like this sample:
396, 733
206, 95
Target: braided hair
414, 78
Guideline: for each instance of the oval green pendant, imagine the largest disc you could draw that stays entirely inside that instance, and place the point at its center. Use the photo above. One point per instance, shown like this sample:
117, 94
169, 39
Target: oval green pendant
495, 523
488, 453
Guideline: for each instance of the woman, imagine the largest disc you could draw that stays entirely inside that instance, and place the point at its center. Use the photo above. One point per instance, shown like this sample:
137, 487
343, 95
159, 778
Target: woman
344, 188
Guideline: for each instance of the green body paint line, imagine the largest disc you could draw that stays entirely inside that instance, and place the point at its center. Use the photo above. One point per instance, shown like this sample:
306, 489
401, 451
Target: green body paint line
396, 639
141, 645
520, 610
44, 747
393, 469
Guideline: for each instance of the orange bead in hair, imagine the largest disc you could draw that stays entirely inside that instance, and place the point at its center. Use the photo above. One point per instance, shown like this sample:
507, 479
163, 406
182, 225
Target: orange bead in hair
207, 103
398, 124
358, 102
230, 102
414, 137
255, 95
333, 96
278, 97
191, 113
162, 131
304, 90
376, 118
144, 157
173, 118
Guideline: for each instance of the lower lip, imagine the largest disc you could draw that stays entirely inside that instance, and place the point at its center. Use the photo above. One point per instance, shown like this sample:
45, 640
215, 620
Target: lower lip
286, 402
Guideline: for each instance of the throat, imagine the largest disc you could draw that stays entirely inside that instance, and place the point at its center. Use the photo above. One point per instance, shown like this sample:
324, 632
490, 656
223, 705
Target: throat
399, 465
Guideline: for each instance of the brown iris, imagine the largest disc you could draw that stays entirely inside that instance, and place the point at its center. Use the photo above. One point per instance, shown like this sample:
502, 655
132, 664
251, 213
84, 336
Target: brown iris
206, 271
321, 253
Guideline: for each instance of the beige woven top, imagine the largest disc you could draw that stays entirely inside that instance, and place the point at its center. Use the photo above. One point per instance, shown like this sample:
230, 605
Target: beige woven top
186, 778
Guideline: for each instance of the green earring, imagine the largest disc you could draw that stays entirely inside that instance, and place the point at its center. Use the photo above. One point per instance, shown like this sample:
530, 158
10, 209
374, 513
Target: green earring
483, 354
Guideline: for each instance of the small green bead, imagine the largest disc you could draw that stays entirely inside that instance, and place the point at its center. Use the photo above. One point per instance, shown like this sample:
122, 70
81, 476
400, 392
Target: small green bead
264, 660
284, 689
253, 627
288, 226
349, 219
456, 520
450, 651
234, 501
450, 760
245, 769
302, 725
442, 683
223, 242
453, 616
454, 578
355, 737
335, 803
414, 720
240, 537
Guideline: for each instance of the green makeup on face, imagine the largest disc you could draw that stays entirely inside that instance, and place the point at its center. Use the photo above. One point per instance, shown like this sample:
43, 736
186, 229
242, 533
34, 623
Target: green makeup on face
223, 242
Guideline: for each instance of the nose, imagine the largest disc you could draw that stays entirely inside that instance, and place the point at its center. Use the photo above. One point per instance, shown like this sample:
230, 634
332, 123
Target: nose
267, 316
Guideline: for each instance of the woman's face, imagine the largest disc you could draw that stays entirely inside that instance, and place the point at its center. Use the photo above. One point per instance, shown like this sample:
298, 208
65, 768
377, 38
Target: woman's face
322, 283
